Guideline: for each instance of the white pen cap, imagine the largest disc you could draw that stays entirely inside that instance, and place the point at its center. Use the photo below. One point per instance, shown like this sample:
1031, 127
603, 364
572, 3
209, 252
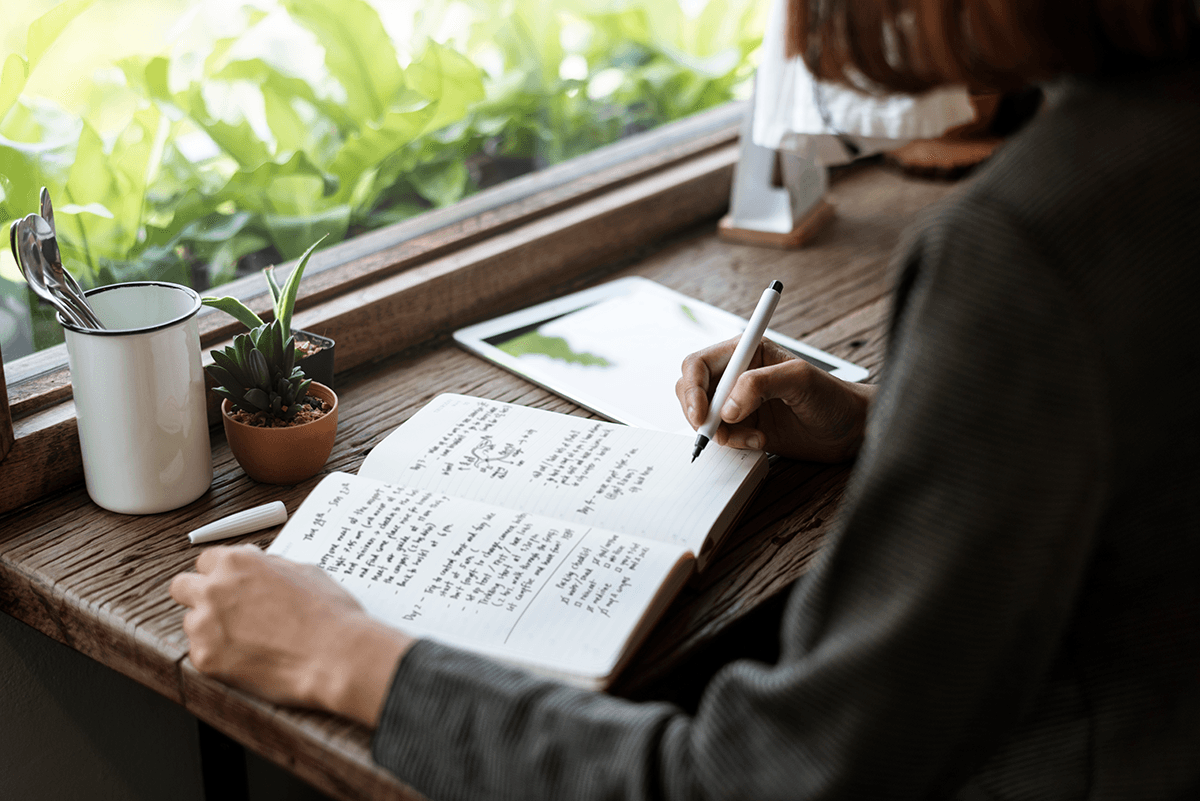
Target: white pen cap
260, 517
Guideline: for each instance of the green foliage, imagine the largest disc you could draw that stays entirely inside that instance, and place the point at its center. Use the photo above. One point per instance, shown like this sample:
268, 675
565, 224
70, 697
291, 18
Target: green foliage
283, 298
258, 373
571, 76
192, 175
41, 35
278, 122
236, 309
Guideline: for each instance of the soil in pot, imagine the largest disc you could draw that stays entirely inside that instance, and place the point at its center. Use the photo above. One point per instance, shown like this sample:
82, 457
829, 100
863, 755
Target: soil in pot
284, 454
312, 409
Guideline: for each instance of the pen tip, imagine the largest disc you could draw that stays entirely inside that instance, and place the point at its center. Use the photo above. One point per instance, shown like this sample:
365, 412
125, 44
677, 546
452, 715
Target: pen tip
701, 441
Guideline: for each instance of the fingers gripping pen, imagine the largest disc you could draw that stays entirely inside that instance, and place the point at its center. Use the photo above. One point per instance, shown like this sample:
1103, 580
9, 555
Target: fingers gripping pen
738, 363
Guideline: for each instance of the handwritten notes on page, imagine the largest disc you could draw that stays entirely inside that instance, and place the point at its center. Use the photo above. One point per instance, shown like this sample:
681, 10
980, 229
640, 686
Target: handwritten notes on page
583, 471
502, 582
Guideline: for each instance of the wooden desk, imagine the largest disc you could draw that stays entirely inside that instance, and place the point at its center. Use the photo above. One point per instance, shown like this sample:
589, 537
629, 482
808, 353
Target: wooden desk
98, 581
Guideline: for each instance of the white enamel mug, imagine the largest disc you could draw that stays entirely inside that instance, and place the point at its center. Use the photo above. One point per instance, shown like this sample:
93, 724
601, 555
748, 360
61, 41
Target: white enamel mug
139, 398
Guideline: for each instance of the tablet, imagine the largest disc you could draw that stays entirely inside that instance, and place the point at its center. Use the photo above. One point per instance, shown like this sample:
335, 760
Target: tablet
616, 349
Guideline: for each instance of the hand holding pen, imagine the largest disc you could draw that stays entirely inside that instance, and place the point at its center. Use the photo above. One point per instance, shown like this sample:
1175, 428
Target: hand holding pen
778, 402
738, 363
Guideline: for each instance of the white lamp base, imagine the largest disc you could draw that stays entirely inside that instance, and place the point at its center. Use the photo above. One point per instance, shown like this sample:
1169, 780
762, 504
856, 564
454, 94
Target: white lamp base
761, 213
803, 230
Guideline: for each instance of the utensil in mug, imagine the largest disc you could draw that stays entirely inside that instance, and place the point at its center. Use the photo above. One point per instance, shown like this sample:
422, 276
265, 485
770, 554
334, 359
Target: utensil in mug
48, 239
56, 278
139, 398
47, 209
29, 259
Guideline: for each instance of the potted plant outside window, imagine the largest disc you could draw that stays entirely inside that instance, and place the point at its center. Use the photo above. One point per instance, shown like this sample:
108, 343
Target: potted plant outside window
280, 424
316, 352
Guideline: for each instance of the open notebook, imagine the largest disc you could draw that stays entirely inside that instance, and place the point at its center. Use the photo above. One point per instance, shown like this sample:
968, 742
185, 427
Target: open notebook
541, 539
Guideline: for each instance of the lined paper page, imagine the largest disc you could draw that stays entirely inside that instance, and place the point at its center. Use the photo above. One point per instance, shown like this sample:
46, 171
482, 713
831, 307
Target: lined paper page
583, 471
499, 582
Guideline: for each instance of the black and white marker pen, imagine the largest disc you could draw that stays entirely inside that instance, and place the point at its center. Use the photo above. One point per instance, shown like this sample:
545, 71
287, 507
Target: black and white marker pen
738, 363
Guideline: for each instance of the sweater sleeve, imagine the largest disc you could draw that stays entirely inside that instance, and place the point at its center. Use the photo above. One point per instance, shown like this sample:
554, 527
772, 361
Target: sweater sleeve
926, 630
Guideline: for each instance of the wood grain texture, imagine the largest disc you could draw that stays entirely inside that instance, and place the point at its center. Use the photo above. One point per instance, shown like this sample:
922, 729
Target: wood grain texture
38, 380
98, 581
805, 229
45, 456
332, 754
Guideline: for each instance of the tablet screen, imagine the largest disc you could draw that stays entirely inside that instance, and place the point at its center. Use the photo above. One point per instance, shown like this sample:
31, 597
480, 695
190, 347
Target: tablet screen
616, 351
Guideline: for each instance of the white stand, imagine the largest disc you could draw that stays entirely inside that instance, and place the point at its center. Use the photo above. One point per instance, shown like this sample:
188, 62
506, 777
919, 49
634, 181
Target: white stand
761, 213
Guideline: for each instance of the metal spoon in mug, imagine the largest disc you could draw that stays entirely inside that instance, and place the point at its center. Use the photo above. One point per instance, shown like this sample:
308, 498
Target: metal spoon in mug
38, 272
30, 263
56, 276
47, 209
54, 256
36, 280
50, 247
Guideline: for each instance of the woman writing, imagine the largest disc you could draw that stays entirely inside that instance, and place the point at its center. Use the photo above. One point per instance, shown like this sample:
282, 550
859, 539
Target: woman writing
1008, 608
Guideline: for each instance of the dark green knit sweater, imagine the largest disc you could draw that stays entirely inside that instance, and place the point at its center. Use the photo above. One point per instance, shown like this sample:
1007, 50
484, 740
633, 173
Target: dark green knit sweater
1010, 606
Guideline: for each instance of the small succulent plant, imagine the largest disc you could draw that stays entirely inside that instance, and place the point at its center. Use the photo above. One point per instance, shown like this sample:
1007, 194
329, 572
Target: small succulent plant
258, 373
283, 298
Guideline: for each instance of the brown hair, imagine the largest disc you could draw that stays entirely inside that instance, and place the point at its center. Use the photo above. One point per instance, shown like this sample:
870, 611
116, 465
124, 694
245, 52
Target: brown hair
913, 45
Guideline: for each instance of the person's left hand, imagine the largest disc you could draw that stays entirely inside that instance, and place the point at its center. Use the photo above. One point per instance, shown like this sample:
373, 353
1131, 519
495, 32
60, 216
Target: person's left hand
286, 632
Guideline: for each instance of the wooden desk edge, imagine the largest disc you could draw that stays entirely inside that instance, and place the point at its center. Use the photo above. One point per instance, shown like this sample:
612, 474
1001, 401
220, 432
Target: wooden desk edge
332, 754
325, 746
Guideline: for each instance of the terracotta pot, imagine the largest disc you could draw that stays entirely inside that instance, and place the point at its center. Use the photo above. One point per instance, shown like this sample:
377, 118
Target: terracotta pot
284, 455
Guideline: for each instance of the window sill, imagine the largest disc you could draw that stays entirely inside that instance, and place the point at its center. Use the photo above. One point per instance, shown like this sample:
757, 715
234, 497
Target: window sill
394, 289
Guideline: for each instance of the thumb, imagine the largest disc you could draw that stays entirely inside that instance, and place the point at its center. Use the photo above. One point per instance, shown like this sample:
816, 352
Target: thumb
784, 381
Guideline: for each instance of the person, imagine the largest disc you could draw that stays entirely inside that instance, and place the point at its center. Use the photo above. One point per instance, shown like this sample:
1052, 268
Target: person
1008, 607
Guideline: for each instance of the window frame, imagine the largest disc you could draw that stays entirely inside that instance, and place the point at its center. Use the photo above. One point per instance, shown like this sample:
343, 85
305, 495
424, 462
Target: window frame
414, 282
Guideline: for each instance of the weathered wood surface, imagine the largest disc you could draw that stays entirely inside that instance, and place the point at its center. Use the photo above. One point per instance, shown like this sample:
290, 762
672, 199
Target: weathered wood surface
330, 753
98, 581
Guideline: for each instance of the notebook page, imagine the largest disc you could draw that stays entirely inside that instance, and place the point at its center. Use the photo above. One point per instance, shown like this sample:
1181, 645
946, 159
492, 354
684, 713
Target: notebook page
499, 582
632, 480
